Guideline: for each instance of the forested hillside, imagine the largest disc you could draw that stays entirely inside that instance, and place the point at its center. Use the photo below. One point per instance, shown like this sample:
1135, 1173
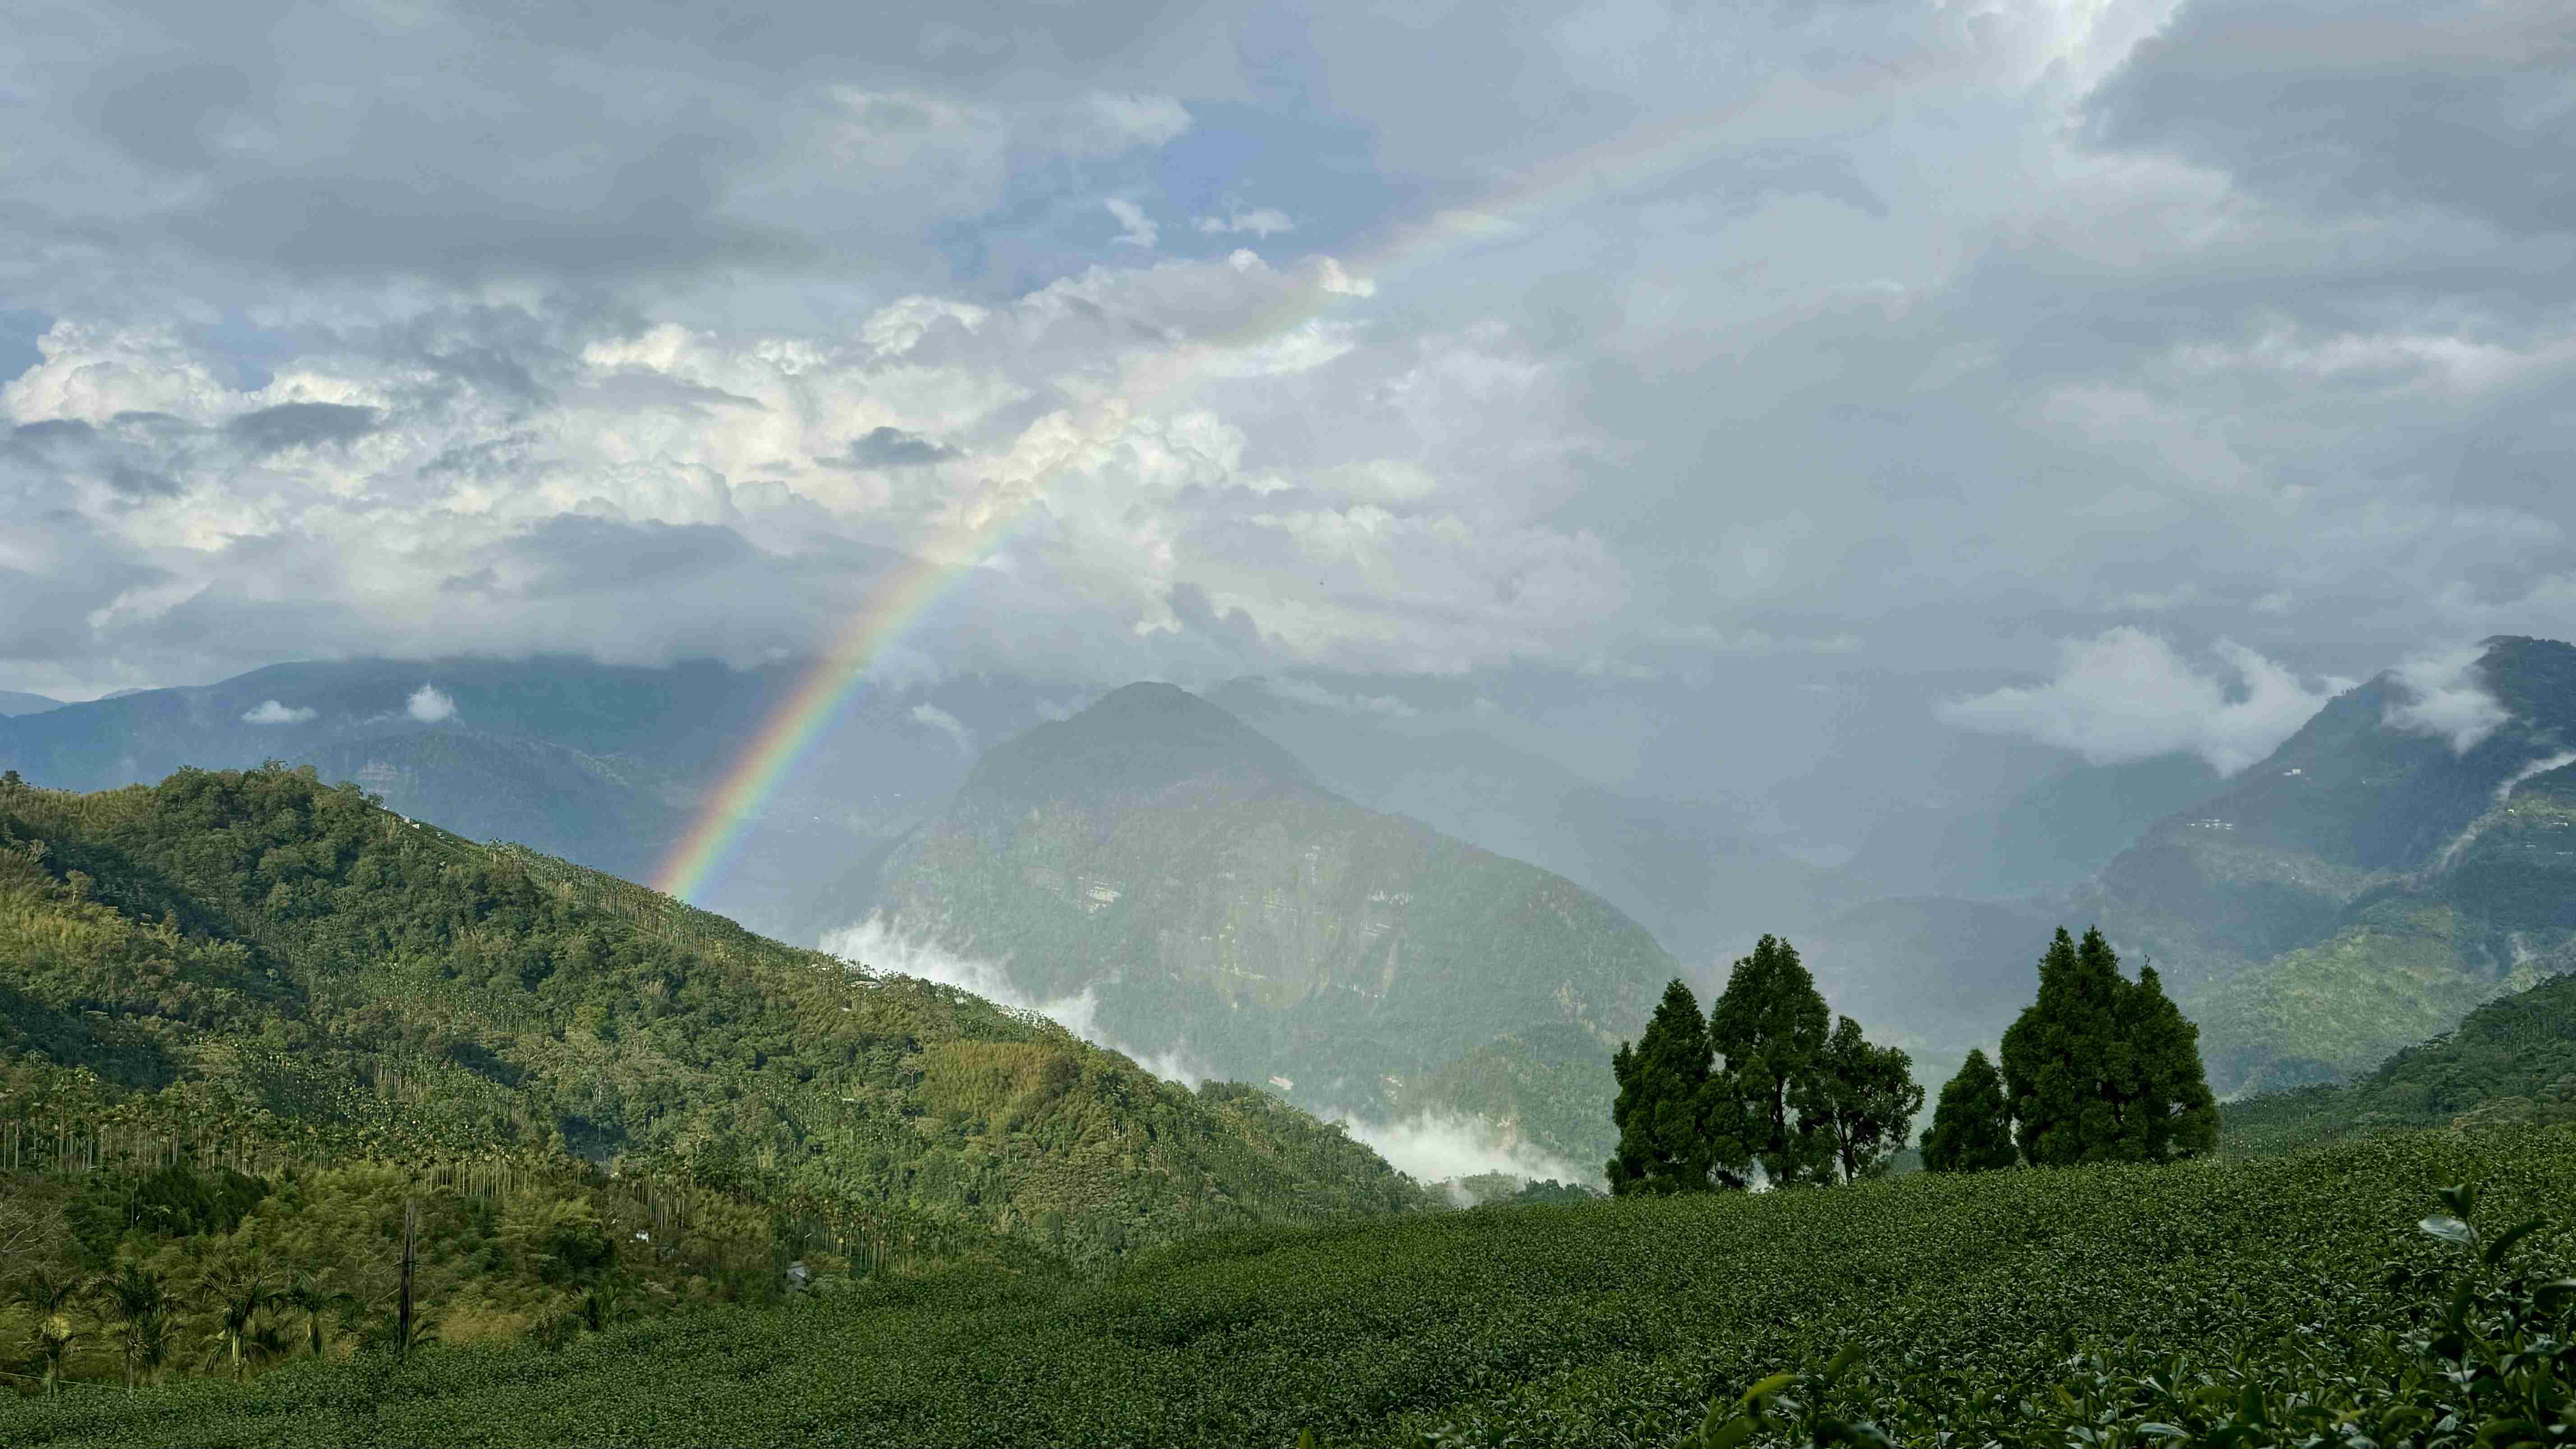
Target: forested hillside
2512, 1061
248, 988
1188, 871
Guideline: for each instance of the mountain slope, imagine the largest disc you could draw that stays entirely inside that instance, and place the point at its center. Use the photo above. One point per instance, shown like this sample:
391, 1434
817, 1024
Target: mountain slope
2367, 884
604, 765
334, 973
1185, 870
14, 702
2512, 1060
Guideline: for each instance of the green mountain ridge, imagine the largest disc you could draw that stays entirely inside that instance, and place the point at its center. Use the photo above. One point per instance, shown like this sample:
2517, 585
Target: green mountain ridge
260, 950
1191, 874
2365, 886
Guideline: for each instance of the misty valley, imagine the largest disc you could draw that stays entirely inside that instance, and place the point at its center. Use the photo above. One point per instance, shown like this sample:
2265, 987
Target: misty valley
1264, 1110
1249, 724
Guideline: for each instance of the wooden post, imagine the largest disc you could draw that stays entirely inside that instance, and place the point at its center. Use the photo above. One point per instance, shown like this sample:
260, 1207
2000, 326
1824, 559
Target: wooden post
402, 1313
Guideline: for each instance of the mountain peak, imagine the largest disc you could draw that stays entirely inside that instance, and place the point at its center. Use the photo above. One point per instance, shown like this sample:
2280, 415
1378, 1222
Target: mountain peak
1138, 739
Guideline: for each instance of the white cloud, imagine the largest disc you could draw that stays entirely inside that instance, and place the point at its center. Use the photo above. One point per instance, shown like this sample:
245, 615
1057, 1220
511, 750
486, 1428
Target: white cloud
2447, 697
1437, 1146
874, 943
429, 704
1261, 221
1304, 691
2130, 695
947, 724
1109, 122
270, 712
1138, 230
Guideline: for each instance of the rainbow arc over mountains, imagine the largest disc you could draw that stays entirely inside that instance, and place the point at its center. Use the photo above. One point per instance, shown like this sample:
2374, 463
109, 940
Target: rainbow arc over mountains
769, 755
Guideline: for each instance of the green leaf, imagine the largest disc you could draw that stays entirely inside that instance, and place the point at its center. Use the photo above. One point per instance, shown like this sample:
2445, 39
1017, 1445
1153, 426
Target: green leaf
2448, 1229
2505, 1240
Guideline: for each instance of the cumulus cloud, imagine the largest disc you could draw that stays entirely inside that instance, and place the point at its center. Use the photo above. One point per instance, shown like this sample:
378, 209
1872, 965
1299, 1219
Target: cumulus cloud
2130, 695
429, 705
2447, 696
947, 724
271, 712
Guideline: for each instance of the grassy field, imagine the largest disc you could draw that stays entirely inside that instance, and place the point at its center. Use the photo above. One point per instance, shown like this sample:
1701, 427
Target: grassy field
2012, 1308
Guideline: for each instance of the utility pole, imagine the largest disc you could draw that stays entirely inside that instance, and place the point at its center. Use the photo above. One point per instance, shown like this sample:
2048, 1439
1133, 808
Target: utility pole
402, 1312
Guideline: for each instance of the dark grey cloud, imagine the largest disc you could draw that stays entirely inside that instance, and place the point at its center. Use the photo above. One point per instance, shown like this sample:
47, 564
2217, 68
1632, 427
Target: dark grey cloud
888, 447
304, 424
2464, 105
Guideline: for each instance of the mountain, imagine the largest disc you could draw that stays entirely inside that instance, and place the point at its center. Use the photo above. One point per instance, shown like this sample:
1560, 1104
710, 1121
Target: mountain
1702, 875
256, 957
600, 764
2512, 1060
13, 702
1206, 892
2369, 883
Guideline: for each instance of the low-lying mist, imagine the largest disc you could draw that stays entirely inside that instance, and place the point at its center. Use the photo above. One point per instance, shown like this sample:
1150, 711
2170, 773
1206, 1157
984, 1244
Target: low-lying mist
1428, 1146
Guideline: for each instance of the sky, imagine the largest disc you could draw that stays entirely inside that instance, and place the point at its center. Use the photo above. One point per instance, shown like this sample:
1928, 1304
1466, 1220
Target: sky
2177, 352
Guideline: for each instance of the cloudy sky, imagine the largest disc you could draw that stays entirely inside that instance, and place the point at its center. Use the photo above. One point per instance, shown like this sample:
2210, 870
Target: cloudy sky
2096, 339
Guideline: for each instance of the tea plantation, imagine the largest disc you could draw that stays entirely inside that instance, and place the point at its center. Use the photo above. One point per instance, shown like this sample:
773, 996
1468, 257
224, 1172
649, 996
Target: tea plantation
2275, 1300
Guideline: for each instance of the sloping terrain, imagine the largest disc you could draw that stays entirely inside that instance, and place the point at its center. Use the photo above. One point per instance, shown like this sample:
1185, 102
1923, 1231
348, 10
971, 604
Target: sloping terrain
2366, 885
1188, 872
303, 967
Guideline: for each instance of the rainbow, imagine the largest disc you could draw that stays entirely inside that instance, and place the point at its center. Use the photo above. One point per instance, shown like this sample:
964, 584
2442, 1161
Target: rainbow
1635, 158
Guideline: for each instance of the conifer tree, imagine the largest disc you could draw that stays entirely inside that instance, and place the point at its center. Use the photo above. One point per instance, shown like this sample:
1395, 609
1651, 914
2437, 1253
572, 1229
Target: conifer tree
2102, 1069
1870, 1100
2180, 1116
1663, 1086
1971, 1124
1769, 1104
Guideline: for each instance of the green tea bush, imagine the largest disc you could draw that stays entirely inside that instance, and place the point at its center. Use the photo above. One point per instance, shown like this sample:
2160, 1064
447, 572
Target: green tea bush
2282, 1300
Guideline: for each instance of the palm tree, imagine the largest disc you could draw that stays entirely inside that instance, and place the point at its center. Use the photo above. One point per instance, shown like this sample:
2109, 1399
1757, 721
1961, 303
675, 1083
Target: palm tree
139, 1310
239, 1297
53, 1298
313, 1297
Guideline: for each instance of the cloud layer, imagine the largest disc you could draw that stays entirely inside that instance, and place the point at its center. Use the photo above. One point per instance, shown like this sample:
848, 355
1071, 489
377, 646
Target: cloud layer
1209, 339
2130, 695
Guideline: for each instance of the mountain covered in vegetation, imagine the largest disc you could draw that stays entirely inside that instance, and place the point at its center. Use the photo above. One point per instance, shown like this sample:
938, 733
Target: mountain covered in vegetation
1190, 874
2370, 882
256, 959
603, 765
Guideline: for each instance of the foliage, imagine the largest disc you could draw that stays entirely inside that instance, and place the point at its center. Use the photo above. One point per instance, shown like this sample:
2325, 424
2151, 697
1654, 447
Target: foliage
1769, 1107
1869, 1100
2103, 1069
2244, 1301
1972, 1123
230, 1000
1662, 1104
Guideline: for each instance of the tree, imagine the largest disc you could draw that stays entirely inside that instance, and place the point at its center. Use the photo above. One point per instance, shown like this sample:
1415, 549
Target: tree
1972, 1123
139, 1312
1768, 1104
52, 1296
2102, 1069
1870, 1099
2180, 1116
1663, 1083
312, 1297
239, 1298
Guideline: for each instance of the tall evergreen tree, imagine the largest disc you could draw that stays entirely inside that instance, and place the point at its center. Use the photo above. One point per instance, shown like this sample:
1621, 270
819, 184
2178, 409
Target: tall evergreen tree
2180, 1117
1663, 1088
1971, 1124
2102, 1069
1870, 1098
1769, 1103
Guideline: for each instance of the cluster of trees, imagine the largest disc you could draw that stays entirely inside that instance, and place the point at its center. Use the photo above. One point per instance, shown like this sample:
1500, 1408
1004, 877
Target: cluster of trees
2099, 1068
1767, 1087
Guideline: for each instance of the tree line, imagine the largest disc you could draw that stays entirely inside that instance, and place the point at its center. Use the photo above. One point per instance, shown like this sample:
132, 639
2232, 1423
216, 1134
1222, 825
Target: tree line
1768, 1087
2099, 1068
